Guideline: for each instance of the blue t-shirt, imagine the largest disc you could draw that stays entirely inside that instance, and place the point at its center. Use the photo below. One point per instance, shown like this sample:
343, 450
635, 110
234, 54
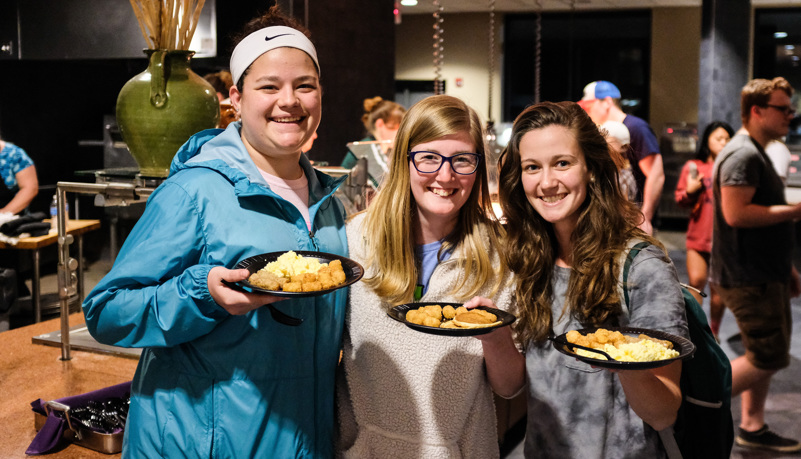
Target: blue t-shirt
427, 254
12, 160
643, 144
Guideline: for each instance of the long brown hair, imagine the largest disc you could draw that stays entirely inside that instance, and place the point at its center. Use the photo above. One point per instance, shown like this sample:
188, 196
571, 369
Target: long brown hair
607, 220
389, 221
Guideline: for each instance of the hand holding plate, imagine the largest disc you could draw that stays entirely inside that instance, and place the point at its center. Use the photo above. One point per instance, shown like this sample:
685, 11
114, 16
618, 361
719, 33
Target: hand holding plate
233, 300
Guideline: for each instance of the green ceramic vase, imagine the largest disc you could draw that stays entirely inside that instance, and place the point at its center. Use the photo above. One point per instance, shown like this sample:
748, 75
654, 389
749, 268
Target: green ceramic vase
159, 109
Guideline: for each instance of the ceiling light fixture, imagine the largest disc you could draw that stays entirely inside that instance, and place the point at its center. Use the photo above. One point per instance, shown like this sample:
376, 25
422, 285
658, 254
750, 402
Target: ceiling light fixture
780, 35
409, 2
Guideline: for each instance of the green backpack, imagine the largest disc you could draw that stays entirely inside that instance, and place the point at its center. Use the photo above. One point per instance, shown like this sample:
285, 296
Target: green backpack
704, 427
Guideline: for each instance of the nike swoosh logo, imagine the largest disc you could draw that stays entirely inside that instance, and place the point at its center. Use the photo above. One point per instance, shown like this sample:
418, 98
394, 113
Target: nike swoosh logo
276, 36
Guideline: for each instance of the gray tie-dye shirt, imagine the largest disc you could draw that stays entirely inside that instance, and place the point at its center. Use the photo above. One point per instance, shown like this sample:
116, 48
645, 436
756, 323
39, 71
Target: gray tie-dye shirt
576, 411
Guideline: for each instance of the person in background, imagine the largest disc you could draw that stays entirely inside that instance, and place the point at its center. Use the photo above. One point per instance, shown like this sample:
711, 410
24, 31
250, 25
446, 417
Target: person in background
219, 376
381, 120
572, 231
694, 191
428, 237
601, 100
780, 156
618, 138
222, 82
751, 265
20, 183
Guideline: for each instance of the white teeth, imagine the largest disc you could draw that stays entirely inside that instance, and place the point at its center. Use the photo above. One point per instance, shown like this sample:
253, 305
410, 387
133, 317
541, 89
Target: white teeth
441, 192
293, 119
555, 198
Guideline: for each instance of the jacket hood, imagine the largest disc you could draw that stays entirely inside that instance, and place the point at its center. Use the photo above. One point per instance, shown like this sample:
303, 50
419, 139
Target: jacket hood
223, 151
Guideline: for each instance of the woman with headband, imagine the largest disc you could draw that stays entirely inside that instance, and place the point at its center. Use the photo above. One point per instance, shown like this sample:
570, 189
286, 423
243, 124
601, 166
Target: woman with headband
218, 376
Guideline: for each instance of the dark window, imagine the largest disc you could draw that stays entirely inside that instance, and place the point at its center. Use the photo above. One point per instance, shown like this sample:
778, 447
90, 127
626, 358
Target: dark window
577, 48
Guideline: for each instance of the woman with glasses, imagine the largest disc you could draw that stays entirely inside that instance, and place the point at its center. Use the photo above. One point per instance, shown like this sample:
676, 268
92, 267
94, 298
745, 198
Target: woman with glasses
428, 237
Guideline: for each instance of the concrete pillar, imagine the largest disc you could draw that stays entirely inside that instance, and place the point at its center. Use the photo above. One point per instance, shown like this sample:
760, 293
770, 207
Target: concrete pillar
724, 64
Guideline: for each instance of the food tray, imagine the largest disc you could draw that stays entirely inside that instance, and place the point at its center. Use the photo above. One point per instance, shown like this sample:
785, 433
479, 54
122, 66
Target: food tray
75, 432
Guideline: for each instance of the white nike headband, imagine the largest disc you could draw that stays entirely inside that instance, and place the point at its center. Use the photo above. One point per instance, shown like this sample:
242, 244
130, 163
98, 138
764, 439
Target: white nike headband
267, 39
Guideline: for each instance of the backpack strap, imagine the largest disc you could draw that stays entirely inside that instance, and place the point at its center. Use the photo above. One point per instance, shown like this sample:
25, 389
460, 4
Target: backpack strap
666, 435
627, 264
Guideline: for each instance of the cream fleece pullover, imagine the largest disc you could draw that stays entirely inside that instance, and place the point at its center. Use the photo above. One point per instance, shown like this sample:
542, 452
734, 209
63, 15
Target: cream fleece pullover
407, 394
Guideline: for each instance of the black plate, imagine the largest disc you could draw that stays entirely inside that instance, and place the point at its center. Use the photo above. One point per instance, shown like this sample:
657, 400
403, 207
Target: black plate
353, 271
685, 347
399, 313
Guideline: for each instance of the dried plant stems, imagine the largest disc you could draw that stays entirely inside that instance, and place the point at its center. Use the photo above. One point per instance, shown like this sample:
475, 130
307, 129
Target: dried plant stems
167, 24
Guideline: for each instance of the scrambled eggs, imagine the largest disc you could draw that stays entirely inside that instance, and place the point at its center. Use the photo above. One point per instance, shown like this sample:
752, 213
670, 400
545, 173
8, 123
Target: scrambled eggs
291, 264
642, 351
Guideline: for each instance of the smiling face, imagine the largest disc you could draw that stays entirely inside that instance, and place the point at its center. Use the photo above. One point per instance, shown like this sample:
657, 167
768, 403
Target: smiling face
280, 107
440, 195
555, 175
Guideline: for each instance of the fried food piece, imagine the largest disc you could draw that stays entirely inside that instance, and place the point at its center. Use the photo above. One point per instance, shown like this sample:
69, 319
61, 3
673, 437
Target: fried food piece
475, 318
448, 312
433, 310
265, 280
326, 280
305, 277
293, 287
337, 272
413, 316
448, 324
311, 286
663, 342
430, 321
461, 309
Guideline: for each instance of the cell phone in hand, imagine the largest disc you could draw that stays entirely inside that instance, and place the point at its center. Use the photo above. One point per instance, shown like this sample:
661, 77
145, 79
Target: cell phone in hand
693, 170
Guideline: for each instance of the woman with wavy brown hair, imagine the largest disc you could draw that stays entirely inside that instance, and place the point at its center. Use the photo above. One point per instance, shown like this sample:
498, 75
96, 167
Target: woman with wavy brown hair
429, 236
569, 227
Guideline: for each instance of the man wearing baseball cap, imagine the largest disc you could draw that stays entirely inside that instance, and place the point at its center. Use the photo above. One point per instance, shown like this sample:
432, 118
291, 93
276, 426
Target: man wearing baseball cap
601, 100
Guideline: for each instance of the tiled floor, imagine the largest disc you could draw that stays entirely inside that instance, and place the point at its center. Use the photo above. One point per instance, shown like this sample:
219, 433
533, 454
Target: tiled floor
783, 411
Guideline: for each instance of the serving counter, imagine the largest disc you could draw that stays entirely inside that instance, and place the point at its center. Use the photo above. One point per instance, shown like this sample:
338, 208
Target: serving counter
31, 371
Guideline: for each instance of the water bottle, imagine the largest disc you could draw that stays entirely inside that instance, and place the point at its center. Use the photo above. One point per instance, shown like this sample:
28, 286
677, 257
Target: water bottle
54, 213
693, 170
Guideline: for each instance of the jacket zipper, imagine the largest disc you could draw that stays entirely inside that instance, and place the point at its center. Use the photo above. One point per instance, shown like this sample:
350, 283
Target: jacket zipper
313, 241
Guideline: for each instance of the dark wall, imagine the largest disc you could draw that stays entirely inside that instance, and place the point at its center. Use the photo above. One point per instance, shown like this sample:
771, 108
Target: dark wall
48, 106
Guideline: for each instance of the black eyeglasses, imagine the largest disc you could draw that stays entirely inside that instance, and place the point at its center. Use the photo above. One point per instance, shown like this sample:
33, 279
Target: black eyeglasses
786, 109
428, 162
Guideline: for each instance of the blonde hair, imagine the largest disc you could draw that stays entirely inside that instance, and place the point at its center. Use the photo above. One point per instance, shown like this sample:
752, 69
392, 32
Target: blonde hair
389, 220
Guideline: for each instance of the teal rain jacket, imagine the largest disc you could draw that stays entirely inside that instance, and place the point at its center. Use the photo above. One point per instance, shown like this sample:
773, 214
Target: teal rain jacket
210, 384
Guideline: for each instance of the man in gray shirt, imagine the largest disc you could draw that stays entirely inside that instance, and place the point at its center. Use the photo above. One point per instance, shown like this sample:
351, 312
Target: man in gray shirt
752, 246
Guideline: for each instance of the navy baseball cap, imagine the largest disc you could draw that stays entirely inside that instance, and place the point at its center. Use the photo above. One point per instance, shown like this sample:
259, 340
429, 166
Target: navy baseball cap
600, 90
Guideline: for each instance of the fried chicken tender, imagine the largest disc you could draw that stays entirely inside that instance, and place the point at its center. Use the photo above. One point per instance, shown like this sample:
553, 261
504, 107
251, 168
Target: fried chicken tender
433, 310
266, 280
448, 312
